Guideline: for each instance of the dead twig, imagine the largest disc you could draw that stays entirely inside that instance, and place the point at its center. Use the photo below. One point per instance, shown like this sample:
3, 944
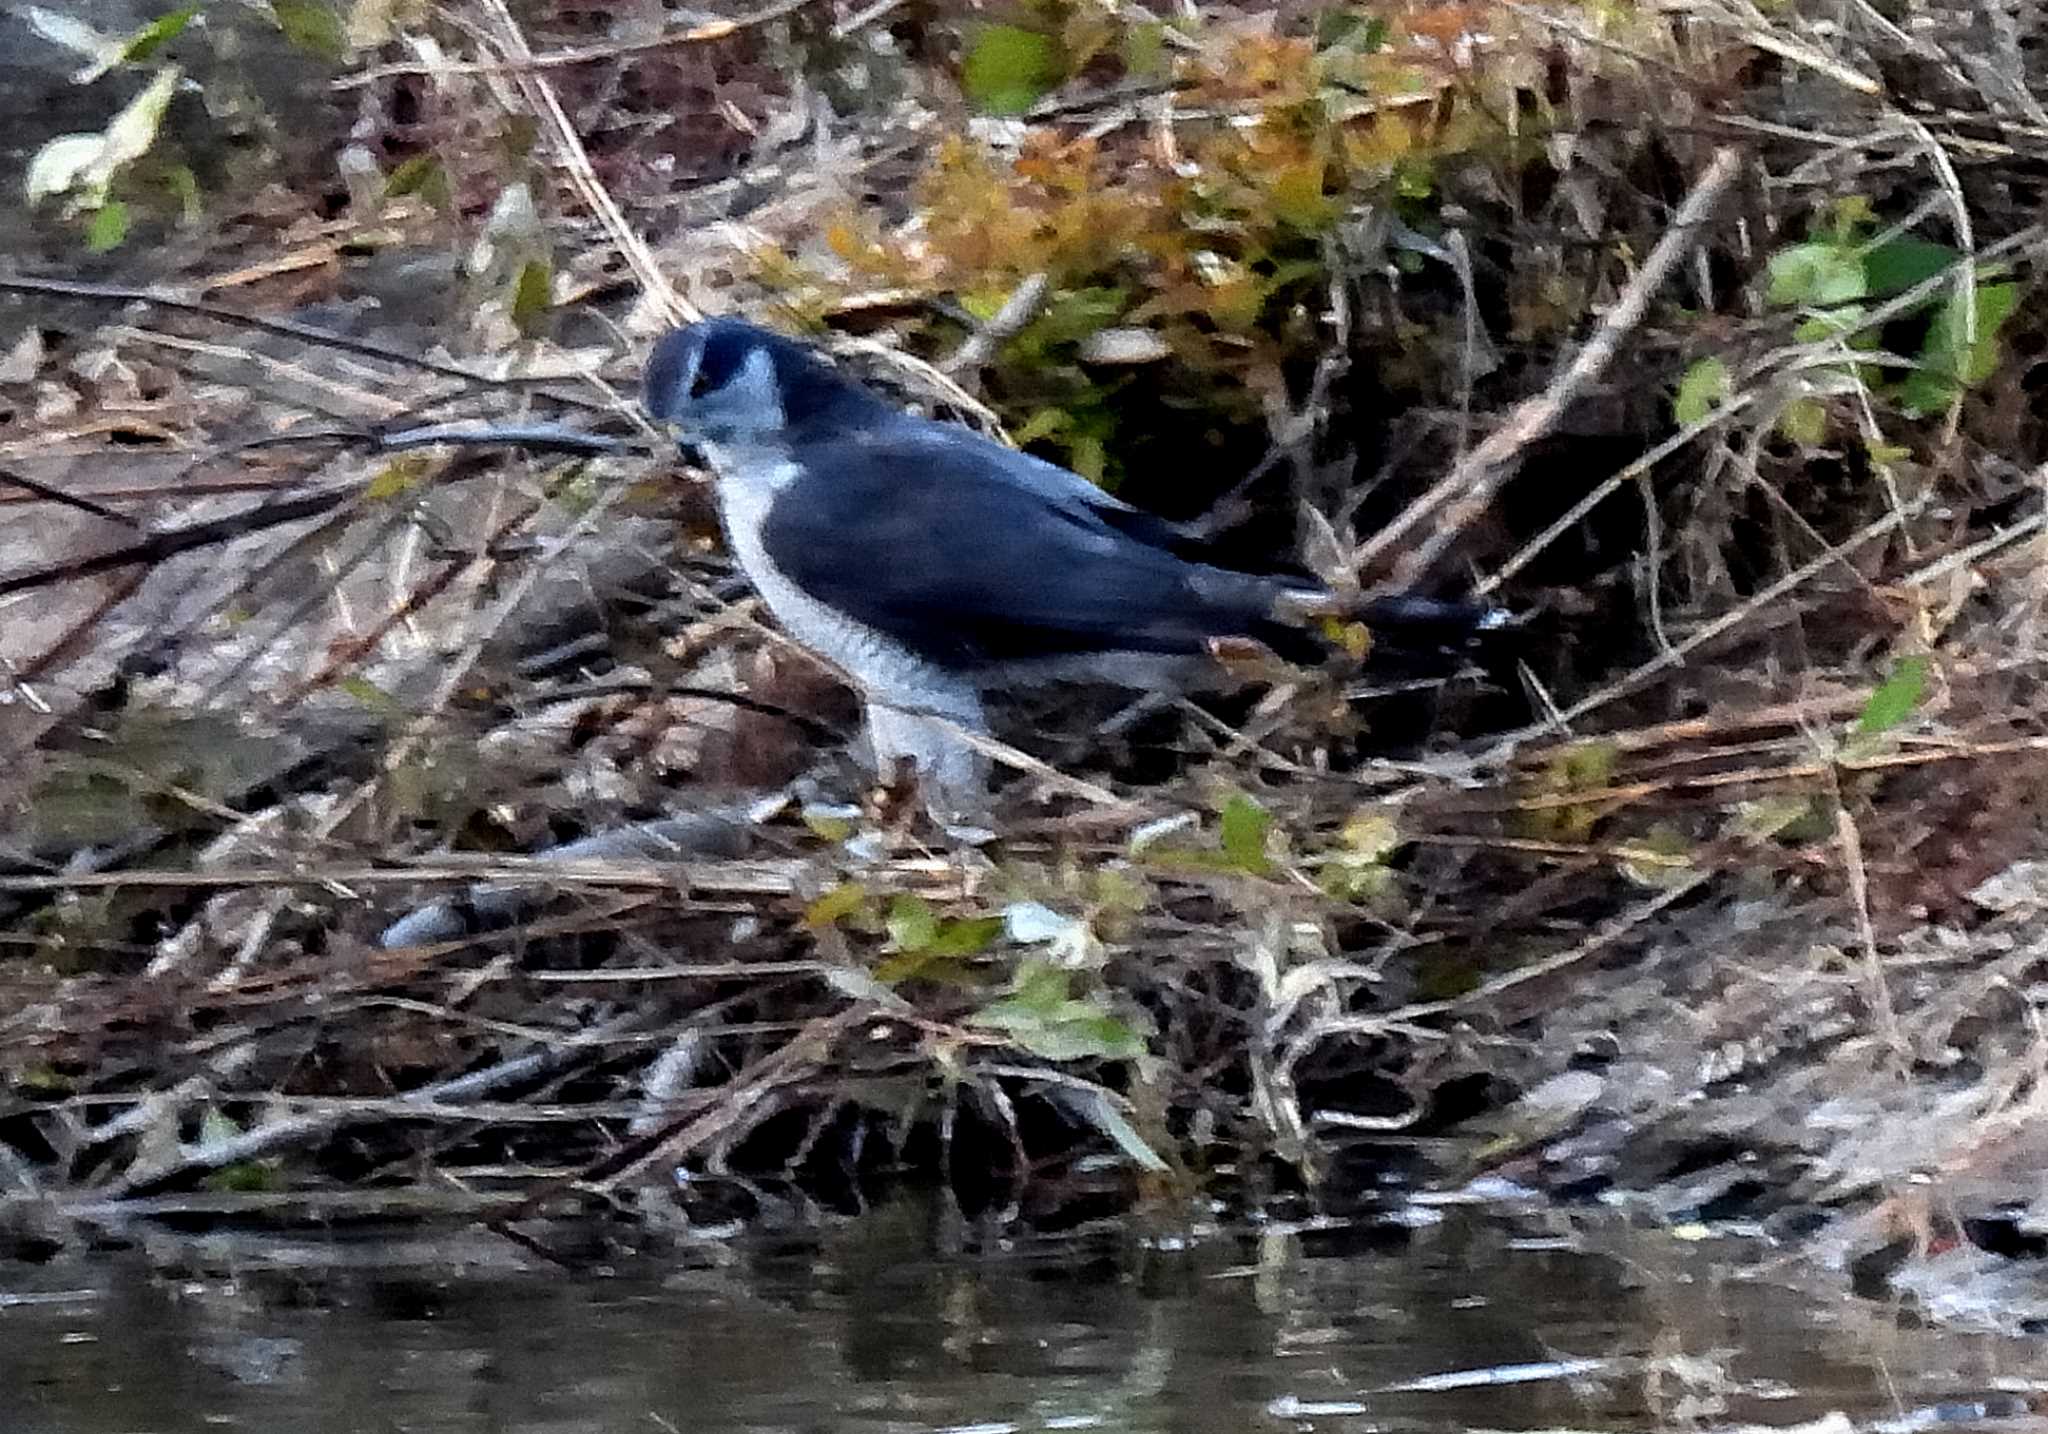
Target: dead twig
701, 33
1675, 656
158, 547
716, 1111
293, 1132
1018, 310
575, 159
221, 313
1466, 490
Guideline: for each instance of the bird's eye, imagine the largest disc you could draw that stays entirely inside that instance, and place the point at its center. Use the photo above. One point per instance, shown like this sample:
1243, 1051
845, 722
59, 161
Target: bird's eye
700, 384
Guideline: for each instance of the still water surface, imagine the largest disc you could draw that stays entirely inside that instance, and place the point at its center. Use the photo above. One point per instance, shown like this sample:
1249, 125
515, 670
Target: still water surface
868, 1326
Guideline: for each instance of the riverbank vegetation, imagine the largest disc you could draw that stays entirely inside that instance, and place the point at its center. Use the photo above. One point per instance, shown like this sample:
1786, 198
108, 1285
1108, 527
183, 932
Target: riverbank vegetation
404, 828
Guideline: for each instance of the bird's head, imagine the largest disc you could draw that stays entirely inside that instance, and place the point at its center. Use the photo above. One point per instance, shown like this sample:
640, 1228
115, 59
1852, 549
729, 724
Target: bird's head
728, 382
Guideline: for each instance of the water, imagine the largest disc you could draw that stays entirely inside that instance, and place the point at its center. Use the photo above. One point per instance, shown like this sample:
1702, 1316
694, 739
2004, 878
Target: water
866, 1327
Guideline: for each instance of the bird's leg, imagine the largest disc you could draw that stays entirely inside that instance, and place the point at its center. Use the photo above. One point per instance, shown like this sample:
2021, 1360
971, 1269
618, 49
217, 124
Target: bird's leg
952, 773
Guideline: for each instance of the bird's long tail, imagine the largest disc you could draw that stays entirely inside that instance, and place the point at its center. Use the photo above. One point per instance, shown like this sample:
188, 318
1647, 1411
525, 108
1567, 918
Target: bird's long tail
1407, 618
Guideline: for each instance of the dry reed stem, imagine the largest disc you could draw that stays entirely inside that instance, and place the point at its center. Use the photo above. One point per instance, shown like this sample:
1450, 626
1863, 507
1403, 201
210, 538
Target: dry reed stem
547, 107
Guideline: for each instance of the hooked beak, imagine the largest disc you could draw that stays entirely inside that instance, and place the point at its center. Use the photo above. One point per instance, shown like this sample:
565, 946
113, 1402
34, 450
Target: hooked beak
685, 442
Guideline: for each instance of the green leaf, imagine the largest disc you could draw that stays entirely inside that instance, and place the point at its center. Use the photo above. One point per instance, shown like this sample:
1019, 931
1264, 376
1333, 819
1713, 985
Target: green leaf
1008, 69
830, 823
1244, 828
1294, 271
107, 227
1663, 859
835, 905
1041, 1017
532, 295
1345, 27
1817, 273
369, 696
1950, 361
1088, 457
421, 175
968, 936
1072, 315
311, 26
1767, 817
1805, 422
1896, 697
1040, 986
1087, 1036
1043, 423
1702, 389
41, 1079
1589, 764
1101, 1110
246, 1177
401, 475
912, 966
151, 38
982, 305
184, 187
1851, 214
936, 954
911, 923
1894, 267
1841, 321
1295, 196
1414, 177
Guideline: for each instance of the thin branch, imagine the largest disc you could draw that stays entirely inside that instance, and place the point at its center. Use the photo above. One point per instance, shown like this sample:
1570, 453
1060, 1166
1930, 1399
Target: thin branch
221, 313
1465, 492
295, 1132
699, 34
52, 494
158, 547
568, 145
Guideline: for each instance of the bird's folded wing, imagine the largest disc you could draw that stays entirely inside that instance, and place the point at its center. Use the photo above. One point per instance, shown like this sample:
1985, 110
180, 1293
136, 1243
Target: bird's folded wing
969, 554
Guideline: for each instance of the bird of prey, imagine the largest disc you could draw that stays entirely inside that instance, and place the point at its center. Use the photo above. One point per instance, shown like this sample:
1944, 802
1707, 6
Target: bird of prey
933, 565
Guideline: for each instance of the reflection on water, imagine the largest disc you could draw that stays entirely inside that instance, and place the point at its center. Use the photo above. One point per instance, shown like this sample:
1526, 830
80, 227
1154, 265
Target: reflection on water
864, 1327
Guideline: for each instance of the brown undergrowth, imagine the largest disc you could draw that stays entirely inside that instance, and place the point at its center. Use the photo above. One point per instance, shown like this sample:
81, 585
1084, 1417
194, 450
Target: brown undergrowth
1700, 337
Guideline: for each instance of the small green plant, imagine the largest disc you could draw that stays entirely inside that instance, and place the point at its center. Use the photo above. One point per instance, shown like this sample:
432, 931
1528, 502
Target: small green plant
1041, 1014
1581, 767
929, 946
1896, 698
1243, 830
1837, 277
79, 171
1008, 68
1209, 255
